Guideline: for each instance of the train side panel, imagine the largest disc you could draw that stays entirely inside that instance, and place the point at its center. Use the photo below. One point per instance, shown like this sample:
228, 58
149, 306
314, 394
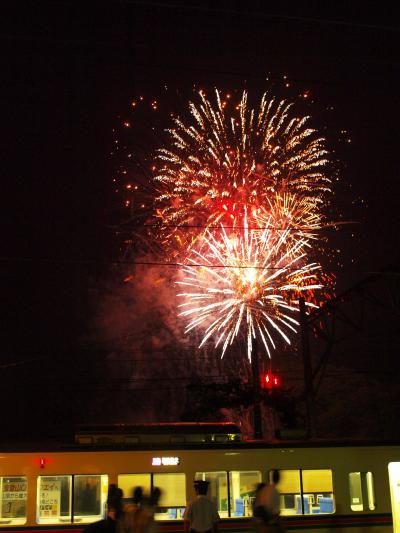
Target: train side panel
340, 460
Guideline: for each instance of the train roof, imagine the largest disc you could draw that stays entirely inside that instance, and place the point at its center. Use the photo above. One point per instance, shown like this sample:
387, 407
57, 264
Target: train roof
161, 427
179, 435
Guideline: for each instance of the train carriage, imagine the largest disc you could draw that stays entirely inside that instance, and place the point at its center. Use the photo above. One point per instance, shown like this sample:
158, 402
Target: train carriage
324, 485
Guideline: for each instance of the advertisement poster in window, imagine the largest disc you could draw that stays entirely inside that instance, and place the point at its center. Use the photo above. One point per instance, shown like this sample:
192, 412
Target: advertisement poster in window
49, 503
13, 502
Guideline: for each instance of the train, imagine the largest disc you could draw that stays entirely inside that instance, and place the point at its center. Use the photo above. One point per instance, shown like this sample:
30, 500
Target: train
324, 486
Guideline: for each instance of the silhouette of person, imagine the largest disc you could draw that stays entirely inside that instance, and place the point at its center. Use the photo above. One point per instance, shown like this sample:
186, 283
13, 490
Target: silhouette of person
114, 513
139, 516
266, 507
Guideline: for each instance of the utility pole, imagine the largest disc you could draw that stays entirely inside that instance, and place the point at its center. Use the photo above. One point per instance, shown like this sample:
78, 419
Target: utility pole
257, 421
308, 382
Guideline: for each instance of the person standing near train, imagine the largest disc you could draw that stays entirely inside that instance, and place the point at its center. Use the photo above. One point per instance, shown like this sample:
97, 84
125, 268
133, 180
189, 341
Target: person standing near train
201, 515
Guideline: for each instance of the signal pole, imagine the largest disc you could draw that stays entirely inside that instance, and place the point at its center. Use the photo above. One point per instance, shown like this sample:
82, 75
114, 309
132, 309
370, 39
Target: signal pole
308, 382
257, 420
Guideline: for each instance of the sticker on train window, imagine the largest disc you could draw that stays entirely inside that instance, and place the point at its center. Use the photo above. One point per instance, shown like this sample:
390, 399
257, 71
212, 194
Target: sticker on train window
53, 499
13, 498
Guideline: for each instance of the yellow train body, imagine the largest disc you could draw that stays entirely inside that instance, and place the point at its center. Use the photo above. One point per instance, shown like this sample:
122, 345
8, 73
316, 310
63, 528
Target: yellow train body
324, 487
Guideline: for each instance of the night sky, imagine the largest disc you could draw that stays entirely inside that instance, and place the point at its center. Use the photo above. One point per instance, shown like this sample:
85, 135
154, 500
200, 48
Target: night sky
69, 72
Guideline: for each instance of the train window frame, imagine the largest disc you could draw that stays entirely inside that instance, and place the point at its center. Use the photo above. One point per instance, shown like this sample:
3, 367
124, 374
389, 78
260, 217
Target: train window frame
71, 517
365, 492
242, 506
6, 521
306, 502
174, 512
224, 514
231, 509
102, 501
67, 519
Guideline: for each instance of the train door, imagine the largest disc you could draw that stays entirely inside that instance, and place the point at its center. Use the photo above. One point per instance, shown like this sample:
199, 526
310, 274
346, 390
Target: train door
394, 481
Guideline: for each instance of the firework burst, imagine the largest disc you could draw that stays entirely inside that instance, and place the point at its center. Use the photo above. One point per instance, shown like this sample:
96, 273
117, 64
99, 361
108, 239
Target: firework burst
246, 281
241, 192
222, 164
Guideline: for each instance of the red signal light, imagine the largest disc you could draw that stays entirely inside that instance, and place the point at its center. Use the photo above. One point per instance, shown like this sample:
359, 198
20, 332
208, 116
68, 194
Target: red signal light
271, 381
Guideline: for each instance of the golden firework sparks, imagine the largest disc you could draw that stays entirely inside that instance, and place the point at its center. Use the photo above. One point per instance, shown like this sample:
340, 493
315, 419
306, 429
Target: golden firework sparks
225, 161
236, 282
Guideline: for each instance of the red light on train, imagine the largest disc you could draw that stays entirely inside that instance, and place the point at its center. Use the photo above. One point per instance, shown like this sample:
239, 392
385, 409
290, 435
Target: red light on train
42, 462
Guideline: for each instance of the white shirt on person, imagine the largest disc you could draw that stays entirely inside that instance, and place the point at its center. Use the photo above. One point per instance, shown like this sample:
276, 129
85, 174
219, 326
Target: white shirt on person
202, 514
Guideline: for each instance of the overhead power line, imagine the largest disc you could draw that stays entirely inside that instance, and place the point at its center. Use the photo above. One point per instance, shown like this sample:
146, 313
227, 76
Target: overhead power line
251, 13
169, 264
328, 226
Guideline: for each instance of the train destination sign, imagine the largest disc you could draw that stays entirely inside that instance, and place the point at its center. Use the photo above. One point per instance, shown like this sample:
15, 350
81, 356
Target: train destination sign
165, 461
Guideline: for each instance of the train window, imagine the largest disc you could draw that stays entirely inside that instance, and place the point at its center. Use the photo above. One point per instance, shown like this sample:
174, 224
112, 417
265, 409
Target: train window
242, 486
218, 490
306, 492
362, 493
289, 488
54, 499
173, 495
318, 489
173, 492
90, 496
13, 498
128, 482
